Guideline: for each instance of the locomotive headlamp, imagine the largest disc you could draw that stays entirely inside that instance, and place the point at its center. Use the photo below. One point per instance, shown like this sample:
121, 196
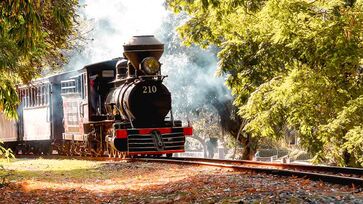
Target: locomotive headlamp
150, 65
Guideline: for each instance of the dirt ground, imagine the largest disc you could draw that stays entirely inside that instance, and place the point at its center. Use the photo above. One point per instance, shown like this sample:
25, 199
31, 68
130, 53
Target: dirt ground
76, 181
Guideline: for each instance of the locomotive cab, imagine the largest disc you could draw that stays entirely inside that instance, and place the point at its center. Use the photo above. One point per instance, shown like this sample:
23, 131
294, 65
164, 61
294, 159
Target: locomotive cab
99, 78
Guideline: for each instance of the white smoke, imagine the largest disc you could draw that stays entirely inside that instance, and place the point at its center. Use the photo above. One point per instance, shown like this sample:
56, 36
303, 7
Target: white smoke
191, 70
109, 24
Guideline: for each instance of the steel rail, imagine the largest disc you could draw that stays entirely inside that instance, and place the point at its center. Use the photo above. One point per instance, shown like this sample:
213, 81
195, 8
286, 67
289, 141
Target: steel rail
331, 169
314, 172
269, 168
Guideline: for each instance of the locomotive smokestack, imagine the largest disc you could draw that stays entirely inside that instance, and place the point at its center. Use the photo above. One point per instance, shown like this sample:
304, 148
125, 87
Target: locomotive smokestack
140, 47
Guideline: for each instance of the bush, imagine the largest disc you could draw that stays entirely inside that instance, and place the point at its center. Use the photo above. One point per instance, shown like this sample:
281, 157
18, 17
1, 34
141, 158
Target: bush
7, 154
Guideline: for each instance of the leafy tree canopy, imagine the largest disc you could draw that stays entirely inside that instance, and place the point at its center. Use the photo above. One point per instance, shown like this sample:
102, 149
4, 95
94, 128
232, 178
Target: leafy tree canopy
291, 65
32, 36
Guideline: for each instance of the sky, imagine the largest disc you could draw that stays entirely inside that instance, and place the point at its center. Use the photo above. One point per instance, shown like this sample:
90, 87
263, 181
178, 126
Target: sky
110, 23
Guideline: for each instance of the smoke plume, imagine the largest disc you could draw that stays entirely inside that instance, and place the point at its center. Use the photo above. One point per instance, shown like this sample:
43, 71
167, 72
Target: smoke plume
190, 70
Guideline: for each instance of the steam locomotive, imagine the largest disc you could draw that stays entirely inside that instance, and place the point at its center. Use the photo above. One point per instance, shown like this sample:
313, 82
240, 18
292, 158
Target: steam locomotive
118, 107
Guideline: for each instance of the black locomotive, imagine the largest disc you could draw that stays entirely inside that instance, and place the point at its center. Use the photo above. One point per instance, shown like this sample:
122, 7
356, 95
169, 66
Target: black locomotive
118, 107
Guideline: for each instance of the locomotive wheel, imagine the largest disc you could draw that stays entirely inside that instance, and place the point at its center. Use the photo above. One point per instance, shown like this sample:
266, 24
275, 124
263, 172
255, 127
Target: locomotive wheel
72, 149
109, 153
169, 155
93, 153
60, 149
68, 148
113, 153
83, 149
75, 149
34, 150
124, 155
100, 153
47, 150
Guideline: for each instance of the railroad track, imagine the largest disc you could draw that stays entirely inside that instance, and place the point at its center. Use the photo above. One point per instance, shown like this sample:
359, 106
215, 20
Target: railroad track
337, 175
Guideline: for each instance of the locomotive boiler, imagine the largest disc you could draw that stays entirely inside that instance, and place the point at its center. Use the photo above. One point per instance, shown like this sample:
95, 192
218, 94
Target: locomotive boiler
140, 103
140, 96
118, 107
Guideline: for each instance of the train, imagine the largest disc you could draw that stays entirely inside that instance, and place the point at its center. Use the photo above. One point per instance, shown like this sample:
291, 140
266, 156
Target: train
118, 107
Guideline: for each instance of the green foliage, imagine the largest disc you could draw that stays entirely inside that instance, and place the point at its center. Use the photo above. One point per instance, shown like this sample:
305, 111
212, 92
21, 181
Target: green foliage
343, 134
8, 96
3, 176
32, 37
291, 64
6, 153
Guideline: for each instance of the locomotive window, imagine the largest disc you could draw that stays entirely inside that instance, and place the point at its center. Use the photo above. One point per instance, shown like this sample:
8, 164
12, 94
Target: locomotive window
32, 97
46, 94
42, 95
69, 86
84, 86
79, 84
25, 98
40, 92
23, 93
38, 96
108, 73
35, 96
72, 113
28, 98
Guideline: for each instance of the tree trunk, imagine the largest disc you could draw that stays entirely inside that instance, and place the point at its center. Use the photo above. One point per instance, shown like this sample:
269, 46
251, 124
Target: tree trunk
249, 147
232, 123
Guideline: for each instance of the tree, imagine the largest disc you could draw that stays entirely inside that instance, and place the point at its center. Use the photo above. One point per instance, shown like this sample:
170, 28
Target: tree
190, 70
33, 36
291, 64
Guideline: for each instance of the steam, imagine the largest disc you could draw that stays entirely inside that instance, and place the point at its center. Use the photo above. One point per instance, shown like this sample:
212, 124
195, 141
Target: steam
191, 71
109, 24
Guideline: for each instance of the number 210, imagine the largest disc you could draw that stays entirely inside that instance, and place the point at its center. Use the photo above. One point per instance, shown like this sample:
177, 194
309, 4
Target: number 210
149, 89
